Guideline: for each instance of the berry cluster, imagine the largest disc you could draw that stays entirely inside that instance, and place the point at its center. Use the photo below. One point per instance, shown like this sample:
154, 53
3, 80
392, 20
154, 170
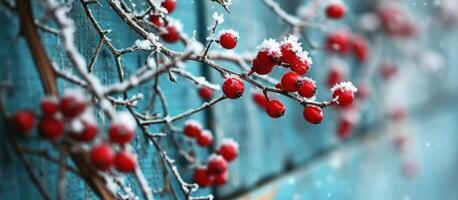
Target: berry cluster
171, 28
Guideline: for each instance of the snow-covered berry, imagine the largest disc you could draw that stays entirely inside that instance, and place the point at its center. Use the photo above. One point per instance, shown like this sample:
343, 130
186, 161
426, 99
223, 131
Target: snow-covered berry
344, 93
72, 103
23, 121
302, 64
335, 10
205, 138
192, 129
275, 109
268, 54
102, 157
88, 132
205, 93
201, 177
290, 48
291, 81
260, 99
233, 88
307, 88
156, 20
51, 127
49, 105
125, 161
216, 164
169, 5
171, 35
229, 149
313, 114
228, 39
122, 128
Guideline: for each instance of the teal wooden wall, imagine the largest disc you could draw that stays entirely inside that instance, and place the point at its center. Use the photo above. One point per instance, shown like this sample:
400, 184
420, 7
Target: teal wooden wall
279, 159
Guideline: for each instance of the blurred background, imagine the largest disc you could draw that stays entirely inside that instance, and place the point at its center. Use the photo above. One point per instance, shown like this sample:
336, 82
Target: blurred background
399, 140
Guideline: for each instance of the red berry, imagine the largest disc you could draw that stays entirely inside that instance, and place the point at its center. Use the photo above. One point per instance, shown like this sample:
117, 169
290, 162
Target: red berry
192, 129
220, 179
121, 133
313, 114
229, 149
71, 105
228, 40
102, 157
49, 106
307, 88
216, 164
335, 76
125, 162
172, 35
345, 128
23, 121
398, 114
260, 99
299, 66
88, 133
156, 20
205, 93
288, 56
279, 86
363, 91
51, 127
388, 70
205, 138
344, 97
201, 177
335, 11
263, 63
169, 5
338, 43
233, 88
360, 48
275, 109
291, 82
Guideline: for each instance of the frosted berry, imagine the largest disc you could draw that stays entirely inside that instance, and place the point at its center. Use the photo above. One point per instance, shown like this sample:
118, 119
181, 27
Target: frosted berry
313, 114
216, 164
120, 133
288, 55
338, 43
169, 5
229, 149
345, 128
233, 88
228, 40
307, 88
335, 10
335, 76
102, 157
260, 99
205, 93
301, 67
156, 20
205, 138
275, 109
125, 162
192, 129
23, 121
71, 105
291, 82
344, 93
360, 48
88, 133
51, 127
49, 106
263, 63
201, 177
171, 35
220, 179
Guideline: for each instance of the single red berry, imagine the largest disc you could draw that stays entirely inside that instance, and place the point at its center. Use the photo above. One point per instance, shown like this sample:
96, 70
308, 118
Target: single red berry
220, 179
345, 128
307, 88
201, 177
156, 20
275, 109
360, 48
172, 35
335, 10
205, 93
72, 106
388, 70
313, 114
120, 133
301, 67
169, 5
49, 106
288, 55
51, 127
216, 164
291, 82
88, 133
229, 149
205, 138
264, 63
23, 121
338, 43
260, 99
125, 162
192, 129
233, 88
228, 40
335, 76
344, 97
102, 157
